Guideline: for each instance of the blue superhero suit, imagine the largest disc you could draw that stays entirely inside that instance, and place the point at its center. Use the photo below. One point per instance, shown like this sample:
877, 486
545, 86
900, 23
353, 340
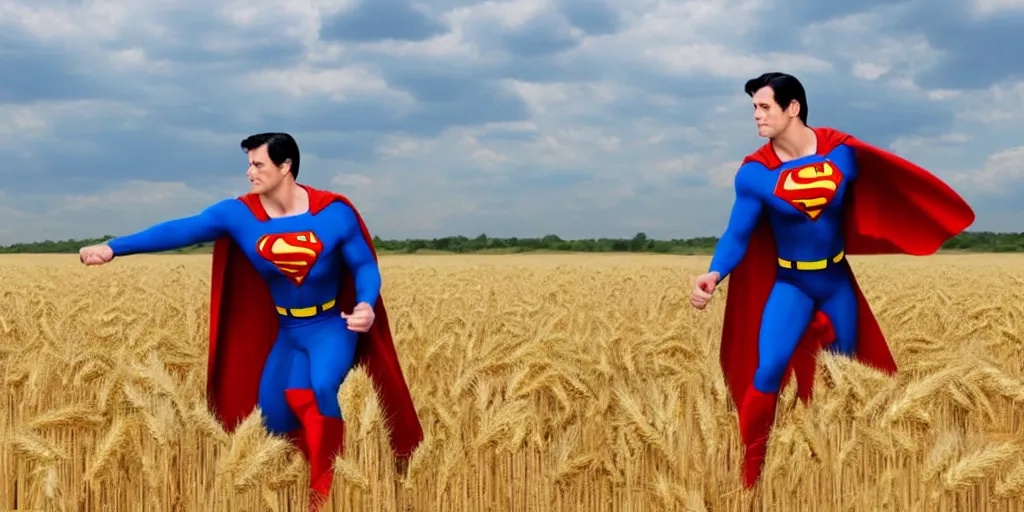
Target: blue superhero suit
301, 258
791, 289
805, 210
802, 203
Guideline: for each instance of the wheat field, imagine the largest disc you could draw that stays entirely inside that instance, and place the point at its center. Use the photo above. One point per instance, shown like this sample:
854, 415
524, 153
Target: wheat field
544, 383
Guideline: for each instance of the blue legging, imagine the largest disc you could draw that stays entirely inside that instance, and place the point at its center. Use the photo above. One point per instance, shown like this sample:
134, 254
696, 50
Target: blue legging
790, 307
312, 354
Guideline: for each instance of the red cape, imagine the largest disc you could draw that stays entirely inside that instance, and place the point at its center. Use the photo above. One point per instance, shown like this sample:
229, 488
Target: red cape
243, 327
894, 207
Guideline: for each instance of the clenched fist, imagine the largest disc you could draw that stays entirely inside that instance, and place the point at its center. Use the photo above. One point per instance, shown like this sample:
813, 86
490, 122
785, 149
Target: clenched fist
96, 254
361, 317
703, 289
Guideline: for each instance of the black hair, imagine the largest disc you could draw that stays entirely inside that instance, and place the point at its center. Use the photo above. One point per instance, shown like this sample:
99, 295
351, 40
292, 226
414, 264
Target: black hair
786, 87
280, 146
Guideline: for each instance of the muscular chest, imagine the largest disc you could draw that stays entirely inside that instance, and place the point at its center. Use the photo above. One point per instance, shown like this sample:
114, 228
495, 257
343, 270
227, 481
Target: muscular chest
294, 253
807, 191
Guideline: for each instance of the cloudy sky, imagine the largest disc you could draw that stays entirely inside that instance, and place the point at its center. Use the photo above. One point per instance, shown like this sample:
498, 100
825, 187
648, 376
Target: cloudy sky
583, 118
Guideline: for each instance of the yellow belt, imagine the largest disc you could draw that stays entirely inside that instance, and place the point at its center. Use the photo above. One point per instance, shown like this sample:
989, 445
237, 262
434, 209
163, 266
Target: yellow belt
812, 265
305, 312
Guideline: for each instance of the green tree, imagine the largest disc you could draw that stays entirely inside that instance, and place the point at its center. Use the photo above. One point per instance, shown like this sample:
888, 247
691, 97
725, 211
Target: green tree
971, 241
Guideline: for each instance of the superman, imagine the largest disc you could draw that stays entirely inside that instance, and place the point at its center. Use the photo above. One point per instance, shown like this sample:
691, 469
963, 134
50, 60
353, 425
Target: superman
295, 305
804, 201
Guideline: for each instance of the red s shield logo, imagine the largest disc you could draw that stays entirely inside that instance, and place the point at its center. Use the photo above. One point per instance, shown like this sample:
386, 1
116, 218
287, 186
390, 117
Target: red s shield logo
294, 254
810, 188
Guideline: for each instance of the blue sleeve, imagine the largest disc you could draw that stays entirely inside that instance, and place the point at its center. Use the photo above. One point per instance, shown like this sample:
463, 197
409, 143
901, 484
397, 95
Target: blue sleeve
207, 226
746, 212
359, 258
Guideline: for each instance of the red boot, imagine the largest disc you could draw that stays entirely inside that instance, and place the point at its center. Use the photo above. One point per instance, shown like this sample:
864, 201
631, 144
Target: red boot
325, 439
756, 415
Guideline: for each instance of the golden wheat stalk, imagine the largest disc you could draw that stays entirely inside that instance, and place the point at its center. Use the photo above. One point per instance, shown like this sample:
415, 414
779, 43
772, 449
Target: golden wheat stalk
543, 383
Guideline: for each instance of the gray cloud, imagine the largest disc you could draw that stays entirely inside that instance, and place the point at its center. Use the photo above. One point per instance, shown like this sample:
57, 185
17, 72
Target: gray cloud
38, 72
979, 40
880, 116
783, 21
544, 36
981, 48
580, 117
595, 17
375, 20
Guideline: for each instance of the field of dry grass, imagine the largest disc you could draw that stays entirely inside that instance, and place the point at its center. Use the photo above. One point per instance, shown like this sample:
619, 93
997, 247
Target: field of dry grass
544, 383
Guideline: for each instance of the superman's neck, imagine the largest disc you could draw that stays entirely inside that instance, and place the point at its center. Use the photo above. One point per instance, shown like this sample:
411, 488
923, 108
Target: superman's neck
797, 141
286, 200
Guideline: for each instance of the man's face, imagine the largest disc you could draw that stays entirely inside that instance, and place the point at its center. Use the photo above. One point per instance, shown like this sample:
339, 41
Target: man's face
262, 173
770, 118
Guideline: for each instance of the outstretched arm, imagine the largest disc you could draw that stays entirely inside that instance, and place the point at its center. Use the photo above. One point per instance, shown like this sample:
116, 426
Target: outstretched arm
746, 211
204, 227
360, 259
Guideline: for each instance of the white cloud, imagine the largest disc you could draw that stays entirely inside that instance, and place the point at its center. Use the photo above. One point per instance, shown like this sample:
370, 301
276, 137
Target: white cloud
640, 129
874, 53
134, 194
509, 14
113, 210
1001, 169
450, 45
340, 84
93, 21
563, 99
688, 38
719, 60
1002, 105
352, 180
22, 120
870, 71
977, 155
908, 144
986, 8
32, 127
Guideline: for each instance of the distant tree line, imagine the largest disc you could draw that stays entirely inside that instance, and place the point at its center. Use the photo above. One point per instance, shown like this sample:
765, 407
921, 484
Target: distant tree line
971, 241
